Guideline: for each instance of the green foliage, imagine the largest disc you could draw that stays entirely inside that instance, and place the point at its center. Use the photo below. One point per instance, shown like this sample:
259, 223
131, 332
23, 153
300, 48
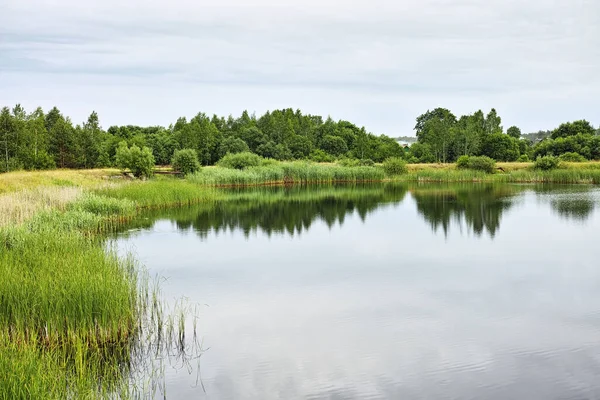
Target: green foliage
232, 145
422, 153
581, 127
482, 163
463, 162
394, 166
523, 158
240, 160
334, 145
319, 155
139, 161
572, 157
546, 163
477, 163
500, 147
185, 161
514, 131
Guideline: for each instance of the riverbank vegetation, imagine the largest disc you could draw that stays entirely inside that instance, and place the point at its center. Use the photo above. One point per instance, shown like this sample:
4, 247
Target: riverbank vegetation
39, 140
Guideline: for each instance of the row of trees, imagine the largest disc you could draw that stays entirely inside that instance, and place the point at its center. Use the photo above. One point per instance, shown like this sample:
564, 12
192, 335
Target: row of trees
38, 140
442, 137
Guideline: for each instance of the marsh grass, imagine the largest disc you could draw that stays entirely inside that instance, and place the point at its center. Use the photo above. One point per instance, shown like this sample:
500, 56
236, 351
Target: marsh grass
286, 173
17, 207
160, 193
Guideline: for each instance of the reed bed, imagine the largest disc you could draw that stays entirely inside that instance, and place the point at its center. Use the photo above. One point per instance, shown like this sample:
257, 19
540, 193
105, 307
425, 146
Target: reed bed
17, 207
283, 173
160, 193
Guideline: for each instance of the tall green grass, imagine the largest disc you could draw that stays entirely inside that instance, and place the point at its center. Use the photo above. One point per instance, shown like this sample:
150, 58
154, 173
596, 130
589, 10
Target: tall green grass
287, 172
160, 193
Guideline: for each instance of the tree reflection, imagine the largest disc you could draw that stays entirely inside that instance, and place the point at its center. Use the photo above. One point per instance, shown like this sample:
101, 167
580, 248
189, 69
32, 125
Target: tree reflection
479, 206
293, 210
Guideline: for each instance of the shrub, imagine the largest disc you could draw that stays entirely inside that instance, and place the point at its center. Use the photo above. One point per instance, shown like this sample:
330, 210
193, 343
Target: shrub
240, 160
523, 158
366, 162
572, 157
482, 163
462, 162
139, 161
546, 163
348, 162
319, 155
185, 161
394, 166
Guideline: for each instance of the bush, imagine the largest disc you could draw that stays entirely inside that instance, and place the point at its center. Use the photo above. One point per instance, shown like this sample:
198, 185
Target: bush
185, 161
394, 166
546, 163
348, 162
319, 155
572, 157
366, 162
523, 158
462, 162
240, 160
139, 161
481, 163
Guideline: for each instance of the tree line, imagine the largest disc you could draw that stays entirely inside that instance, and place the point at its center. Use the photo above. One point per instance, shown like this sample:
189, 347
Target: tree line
442, 137
39, 140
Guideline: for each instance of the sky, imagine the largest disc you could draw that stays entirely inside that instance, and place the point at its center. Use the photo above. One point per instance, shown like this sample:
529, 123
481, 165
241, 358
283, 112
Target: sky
376, 63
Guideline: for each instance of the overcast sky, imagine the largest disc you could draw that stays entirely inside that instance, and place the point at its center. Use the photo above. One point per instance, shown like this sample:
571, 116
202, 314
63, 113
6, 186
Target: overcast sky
376, 63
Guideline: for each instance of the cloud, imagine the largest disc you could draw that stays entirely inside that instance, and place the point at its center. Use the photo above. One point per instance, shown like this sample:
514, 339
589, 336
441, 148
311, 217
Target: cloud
378, 63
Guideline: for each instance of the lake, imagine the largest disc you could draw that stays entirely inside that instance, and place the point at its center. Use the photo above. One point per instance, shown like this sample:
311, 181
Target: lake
384, 291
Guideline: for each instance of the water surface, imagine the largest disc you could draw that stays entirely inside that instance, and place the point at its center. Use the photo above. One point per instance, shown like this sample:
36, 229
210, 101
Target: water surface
383, 291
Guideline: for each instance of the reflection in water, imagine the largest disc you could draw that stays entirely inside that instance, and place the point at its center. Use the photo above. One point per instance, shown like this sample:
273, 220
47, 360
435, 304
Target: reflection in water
578, 208
480, 206
292, 210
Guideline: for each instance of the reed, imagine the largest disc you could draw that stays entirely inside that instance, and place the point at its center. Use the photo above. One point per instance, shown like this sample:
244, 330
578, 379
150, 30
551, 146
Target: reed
285, 172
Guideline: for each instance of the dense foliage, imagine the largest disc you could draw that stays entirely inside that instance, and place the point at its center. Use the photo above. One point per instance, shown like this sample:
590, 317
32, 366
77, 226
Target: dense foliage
442, 137
546, 163
185, 161
139, 161
39, 140
477, 163
394, 166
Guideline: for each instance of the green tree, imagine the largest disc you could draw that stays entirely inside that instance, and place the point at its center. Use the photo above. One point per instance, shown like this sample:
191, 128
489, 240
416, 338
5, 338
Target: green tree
493, 123
501, 147
185, 161
514, 131
334, 145
232, 145
581, 127
139, 161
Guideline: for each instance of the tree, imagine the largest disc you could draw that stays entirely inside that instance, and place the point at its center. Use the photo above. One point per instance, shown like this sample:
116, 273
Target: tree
232, 145
492, 123
90, 141
501, 147
139, 161
7, 133
334, 145
185, 161
581, 127
513, 131
300, 146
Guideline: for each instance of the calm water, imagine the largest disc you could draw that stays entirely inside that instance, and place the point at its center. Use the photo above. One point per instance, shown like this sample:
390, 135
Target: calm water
432, 292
